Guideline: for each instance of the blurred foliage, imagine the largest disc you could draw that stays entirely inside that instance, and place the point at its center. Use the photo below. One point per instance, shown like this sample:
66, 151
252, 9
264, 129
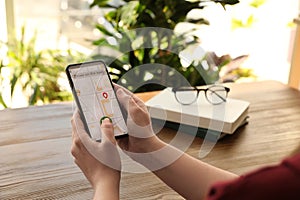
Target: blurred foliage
130, 42
257, 3
250, 19
238, 23
36, 72
231, 69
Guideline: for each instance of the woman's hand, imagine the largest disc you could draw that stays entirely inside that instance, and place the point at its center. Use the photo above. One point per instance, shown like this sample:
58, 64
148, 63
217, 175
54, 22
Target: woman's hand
141, 136
100, 162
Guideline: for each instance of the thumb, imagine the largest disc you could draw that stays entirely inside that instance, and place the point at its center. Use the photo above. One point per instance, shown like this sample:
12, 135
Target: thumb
107, 130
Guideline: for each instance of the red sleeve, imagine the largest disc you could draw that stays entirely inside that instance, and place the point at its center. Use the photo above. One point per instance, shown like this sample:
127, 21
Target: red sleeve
276, 182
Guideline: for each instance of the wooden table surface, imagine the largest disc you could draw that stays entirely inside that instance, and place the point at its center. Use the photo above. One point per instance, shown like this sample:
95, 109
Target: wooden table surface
35, 159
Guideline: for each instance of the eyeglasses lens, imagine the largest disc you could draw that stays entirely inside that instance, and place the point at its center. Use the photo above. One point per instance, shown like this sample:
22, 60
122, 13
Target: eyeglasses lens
186, 97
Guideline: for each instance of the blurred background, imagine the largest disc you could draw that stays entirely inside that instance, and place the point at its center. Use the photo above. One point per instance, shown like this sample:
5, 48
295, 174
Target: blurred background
243, 41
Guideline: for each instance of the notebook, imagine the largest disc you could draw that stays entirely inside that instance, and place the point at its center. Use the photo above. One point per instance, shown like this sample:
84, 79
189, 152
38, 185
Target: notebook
224, 118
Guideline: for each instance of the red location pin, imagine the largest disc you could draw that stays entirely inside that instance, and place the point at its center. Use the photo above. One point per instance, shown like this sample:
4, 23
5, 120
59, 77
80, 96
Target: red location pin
105, 95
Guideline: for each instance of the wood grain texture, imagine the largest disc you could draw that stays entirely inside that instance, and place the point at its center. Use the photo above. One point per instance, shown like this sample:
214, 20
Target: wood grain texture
35, 159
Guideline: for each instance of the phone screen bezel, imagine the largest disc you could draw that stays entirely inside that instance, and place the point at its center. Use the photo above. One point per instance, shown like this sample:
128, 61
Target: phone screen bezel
78, 65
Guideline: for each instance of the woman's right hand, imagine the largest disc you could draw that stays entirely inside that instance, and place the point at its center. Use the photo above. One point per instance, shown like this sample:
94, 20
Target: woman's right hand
141, 136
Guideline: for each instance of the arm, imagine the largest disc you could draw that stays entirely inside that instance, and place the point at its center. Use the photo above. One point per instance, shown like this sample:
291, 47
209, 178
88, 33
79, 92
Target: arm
190, 177
102, 171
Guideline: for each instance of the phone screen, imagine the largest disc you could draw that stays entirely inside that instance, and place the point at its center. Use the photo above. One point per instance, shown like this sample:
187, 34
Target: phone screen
95, 97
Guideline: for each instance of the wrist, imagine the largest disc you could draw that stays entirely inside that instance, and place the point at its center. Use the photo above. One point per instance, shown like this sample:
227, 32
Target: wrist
148, 145
156, 156
106, 178
107, 189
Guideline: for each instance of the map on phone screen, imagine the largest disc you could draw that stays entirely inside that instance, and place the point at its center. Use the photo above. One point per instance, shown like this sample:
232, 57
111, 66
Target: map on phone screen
97, 98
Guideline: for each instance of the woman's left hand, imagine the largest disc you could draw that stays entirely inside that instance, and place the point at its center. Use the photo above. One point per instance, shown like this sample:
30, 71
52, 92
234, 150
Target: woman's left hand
99, 161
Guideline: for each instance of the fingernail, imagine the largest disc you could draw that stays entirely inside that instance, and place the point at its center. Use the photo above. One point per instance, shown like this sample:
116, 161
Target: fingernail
105, 118
120, 92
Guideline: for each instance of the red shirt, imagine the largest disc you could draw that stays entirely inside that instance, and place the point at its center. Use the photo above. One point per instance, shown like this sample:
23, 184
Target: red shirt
277, 182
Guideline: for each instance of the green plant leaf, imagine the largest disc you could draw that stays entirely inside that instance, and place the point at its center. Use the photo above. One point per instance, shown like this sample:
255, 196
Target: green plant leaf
257, 3
229, 2
103, 30
100, 3
115, 74
133, 60
117, 64
33, 97
2, 101
13, 82
101, 42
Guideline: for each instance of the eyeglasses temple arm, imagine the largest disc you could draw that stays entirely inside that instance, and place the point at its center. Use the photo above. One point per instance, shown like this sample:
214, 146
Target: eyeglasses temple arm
219, 96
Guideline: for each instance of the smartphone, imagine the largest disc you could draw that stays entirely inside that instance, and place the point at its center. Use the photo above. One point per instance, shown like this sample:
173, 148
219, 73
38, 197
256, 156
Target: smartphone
95, 97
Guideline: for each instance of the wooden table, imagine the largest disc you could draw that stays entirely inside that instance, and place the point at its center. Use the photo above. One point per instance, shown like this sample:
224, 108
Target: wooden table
35, 159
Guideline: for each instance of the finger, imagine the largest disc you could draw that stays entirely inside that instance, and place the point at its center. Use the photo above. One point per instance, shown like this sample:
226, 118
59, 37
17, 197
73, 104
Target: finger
76, 120
79, 132
117, 87
135, 108
107, 130
139, 102
76, 146
123, 98
74, 126
127, 92
138, 114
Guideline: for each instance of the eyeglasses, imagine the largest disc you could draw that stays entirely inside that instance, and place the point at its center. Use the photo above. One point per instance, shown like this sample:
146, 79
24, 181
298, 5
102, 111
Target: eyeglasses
215, 94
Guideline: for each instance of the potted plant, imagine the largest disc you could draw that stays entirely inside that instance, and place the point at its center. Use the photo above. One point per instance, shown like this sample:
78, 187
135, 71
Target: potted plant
36, 72
142, 31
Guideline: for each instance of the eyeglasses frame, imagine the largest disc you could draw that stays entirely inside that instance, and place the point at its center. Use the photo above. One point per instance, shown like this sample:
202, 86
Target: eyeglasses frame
193, 88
